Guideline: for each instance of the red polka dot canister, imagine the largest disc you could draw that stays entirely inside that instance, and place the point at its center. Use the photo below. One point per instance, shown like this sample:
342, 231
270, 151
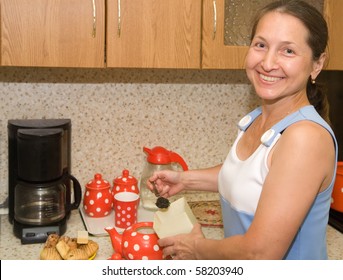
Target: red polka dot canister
125, 183
98, 199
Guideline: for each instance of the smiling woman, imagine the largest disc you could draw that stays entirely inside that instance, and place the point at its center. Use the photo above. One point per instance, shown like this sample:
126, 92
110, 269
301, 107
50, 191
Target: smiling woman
275, 185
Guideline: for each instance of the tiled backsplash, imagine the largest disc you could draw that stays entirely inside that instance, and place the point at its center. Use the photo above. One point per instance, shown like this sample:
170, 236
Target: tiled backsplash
115, 112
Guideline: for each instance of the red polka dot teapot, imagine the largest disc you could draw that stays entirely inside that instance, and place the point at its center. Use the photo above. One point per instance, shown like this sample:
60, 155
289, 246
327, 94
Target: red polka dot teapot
98, 199
137, 242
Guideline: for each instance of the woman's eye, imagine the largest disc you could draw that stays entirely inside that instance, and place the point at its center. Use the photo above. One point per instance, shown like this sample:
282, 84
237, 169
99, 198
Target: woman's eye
289, 51
260, 45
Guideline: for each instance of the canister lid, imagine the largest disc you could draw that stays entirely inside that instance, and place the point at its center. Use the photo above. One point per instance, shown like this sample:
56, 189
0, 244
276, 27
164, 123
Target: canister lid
98, 183
125, 183
125, 179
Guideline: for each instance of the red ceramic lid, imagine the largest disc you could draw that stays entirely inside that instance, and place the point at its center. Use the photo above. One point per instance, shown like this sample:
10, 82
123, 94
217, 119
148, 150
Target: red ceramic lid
98, 183
125, 179
160, 155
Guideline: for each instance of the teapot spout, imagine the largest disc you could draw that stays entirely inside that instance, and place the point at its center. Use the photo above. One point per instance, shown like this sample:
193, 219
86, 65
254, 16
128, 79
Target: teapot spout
116, 239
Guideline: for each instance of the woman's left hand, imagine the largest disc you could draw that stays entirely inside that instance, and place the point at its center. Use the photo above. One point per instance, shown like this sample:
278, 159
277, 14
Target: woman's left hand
182, 246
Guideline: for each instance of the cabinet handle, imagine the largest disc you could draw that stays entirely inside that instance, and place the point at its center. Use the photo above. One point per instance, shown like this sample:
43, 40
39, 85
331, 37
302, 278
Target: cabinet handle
119, 18
214, 19
94, 19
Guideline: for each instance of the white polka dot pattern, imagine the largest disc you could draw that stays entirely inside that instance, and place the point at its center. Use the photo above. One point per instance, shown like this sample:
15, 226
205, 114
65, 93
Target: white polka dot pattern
98, 199
126, 205
139, 242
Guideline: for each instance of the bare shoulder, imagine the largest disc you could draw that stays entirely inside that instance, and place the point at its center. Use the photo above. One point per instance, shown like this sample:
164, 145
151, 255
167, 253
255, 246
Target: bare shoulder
309, 148
308, 132
304, 142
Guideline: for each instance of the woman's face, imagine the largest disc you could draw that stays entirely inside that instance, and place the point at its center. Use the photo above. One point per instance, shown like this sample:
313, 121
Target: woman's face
279, 61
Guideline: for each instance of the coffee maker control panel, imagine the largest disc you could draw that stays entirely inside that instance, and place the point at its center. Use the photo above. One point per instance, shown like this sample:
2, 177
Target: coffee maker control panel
38, 234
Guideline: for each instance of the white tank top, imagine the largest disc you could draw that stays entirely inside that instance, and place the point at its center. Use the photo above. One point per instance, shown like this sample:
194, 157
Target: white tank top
240, 184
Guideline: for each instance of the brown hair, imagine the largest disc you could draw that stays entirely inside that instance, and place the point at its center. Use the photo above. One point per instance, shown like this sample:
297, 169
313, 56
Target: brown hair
317, 41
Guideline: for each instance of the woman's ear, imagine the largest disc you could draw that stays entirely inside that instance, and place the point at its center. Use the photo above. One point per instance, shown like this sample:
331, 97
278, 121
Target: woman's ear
318, 66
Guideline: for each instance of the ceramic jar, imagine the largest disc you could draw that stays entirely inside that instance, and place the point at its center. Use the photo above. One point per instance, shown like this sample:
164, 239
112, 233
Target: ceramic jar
98, 199
125, 183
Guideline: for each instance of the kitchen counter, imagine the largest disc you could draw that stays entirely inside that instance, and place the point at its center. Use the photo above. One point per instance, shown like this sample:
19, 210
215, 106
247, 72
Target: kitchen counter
12, 249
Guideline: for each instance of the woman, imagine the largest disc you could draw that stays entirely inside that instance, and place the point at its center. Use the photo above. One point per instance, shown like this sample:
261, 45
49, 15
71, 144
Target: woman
275, 185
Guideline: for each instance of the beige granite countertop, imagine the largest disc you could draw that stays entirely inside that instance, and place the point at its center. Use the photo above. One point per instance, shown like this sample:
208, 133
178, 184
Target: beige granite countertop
12, 249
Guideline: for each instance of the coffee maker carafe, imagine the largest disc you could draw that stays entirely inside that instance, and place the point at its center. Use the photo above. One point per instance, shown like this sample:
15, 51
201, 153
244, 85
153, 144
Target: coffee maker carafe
42, 191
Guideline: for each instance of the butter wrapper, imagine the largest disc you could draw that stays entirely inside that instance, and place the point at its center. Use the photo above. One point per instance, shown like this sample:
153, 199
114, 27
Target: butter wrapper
177, 219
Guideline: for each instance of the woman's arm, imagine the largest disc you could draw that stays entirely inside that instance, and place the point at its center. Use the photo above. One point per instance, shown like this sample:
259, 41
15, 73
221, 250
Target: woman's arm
169, 183
301, 166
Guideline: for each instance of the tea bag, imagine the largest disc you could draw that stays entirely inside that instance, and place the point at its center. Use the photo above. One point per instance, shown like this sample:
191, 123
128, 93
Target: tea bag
161, 202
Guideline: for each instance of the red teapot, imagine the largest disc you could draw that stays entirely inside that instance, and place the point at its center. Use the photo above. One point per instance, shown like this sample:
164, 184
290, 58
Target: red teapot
137, 242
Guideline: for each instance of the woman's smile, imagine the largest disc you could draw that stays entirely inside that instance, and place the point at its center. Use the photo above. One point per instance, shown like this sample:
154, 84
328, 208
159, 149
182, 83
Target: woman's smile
270, 79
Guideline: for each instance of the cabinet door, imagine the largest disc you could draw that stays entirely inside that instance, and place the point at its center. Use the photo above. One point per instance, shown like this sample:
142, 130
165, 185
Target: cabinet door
60, 33
227, 24
153, 33
334, 16
216, 54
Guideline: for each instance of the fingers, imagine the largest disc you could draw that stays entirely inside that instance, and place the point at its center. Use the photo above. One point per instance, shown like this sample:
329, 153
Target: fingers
158, 187
165, 242
167, 245
197, 228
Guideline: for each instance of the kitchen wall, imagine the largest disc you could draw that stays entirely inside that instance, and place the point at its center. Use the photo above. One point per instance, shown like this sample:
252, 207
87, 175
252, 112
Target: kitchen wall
115, 112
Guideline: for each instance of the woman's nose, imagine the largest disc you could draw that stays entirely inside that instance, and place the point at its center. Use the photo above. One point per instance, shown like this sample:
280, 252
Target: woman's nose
270, 61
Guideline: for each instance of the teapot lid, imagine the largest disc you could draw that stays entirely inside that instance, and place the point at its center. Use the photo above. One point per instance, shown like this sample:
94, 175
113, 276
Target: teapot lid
125, 179
98, 183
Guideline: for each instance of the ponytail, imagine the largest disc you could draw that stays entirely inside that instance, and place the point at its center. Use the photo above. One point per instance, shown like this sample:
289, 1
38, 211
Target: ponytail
318, 99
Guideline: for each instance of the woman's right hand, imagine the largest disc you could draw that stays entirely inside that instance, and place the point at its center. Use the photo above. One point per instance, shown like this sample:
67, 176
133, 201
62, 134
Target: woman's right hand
166, 182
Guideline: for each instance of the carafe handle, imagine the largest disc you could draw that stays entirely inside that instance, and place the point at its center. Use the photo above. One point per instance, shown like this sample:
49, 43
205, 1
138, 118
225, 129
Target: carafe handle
77, 192
177, 158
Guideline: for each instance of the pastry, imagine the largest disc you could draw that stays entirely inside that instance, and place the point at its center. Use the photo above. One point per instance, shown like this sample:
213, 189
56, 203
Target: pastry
62, 247
49, 251
90, 248
50, 254
66, 248
77, 254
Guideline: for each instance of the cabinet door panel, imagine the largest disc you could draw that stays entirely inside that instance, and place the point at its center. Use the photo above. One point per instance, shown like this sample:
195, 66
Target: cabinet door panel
334, 16
52, 33
215, 54
153, 33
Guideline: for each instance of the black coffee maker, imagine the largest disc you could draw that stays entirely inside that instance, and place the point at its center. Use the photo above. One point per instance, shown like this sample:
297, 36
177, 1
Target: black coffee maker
42, 191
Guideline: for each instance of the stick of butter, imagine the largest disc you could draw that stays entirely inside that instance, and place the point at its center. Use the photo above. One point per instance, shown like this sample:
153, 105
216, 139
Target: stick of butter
177, 219
82, 237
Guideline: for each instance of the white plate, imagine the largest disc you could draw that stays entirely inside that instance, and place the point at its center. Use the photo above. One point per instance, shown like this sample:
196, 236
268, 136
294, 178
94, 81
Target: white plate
96, 226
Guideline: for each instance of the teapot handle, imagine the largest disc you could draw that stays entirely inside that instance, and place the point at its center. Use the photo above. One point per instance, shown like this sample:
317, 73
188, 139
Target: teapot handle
177, 158
136, 226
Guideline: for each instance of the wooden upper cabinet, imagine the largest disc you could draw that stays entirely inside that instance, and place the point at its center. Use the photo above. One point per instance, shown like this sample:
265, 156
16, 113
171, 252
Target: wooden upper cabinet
60, 33
225, 38
334, 15
216, 53
153, 33
182, 34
